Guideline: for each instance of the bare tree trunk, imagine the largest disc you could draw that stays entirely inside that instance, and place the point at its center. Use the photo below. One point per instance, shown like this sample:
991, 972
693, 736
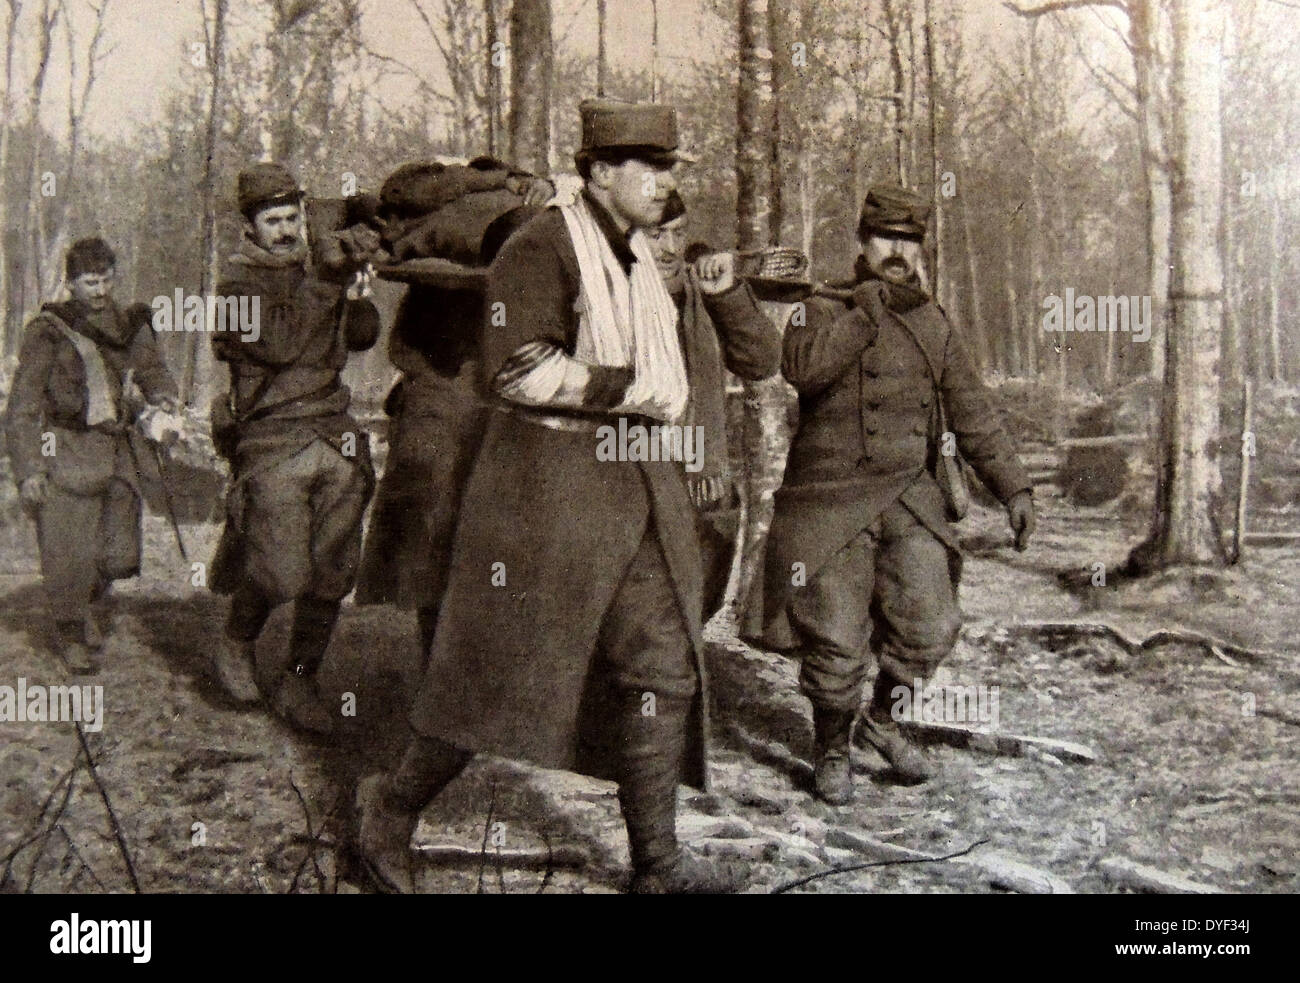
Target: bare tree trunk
1277, 367
936, 199
52, 250
31, 204
753, 128
764, 441
1185, 527
532, 68
896, 76
859, 112
216, 68
494, 75
978, 329
602, 55
780, 86
1034, 236
1144, 27
1015, 364
6, 124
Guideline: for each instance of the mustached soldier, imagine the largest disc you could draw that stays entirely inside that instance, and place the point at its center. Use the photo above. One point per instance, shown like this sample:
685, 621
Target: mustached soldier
69, 427
301, 464
570, 632
860, 548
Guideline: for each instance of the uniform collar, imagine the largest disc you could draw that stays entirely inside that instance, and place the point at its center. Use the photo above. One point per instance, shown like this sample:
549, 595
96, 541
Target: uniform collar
619, 241
107, 326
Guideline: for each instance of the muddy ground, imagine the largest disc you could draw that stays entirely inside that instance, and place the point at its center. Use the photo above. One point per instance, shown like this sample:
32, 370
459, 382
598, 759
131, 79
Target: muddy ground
1196, 770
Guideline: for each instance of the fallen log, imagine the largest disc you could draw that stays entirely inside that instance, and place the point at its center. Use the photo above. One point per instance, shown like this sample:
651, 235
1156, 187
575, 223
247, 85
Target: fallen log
524, 858
1001, 870
990, 742
1271, 538
1051, 633
1140, 877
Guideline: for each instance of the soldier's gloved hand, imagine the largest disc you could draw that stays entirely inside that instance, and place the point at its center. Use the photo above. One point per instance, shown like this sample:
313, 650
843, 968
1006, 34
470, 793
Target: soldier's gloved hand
161, 426
32, 493
359, 288
534, 190
869, 297
717, 272
539, 192
1020, 513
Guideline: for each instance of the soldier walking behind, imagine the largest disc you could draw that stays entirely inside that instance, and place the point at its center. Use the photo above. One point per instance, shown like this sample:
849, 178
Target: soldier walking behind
69, 426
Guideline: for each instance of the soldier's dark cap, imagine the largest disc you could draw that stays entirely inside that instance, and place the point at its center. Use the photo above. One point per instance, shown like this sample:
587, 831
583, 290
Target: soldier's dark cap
890, 210
92, 255
266, 185
644, 130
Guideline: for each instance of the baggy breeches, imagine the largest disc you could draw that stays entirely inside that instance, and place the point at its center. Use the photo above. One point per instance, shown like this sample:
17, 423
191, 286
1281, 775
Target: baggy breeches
889, 589
301, 525
86, 542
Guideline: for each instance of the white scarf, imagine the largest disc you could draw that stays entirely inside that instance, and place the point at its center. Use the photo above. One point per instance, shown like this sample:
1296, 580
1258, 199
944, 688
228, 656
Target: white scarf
99, 401
627, 320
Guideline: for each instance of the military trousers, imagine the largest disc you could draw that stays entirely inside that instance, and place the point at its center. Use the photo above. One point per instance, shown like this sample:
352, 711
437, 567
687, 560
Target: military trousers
891, 590
86, 542
301, 527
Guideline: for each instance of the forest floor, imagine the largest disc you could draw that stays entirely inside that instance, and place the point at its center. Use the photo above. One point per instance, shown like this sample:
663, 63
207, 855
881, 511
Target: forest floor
1195, 774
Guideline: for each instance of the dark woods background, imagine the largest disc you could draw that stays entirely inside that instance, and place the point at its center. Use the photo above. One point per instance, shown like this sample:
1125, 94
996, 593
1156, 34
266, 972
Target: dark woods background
1038, 123
1042, 130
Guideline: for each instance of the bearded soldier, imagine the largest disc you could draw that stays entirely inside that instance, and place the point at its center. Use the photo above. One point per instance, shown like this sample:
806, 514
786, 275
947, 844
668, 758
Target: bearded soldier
861, 555
83, 367
301, 464
570, 631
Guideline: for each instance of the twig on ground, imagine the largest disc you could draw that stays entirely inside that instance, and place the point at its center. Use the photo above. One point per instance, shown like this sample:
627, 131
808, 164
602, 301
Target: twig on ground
1217, 647
49, 831
9, 858
85, 864
487, 829
108, 806
314, 840
878, 863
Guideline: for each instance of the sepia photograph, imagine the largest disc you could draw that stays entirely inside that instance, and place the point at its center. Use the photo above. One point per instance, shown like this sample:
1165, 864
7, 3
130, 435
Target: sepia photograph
650, 446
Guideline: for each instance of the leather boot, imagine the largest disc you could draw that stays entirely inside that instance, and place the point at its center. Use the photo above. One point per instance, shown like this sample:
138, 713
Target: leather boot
313, 623
651, 752
384, 832
878, 729
233, 663
832, 772
73, 652
389, 808
299, 703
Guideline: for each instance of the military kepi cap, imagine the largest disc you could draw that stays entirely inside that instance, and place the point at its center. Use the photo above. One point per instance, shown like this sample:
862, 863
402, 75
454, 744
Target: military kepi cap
649, 128
890, 210
266, 185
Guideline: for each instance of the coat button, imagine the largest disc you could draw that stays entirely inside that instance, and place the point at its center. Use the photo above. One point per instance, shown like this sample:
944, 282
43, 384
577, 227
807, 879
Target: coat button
918, 430
872, 431
925, 400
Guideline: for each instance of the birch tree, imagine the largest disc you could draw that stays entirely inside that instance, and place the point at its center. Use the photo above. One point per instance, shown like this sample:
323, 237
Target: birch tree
1184, 529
